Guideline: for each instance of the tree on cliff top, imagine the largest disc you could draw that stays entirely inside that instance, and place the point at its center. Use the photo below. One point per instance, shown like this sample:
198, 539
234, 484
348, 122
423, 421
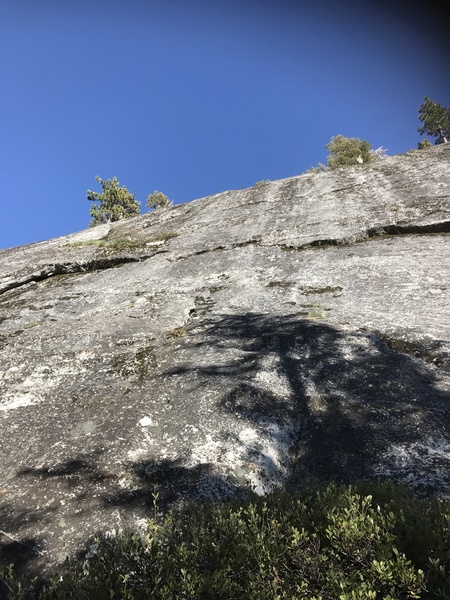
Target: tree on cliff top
158, 200
116, 203
435, 119
348, 151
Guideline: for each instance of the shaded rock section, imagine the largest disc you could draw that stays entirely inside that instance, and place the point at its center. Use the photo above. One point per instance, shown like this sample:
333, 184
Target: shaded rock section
296, 330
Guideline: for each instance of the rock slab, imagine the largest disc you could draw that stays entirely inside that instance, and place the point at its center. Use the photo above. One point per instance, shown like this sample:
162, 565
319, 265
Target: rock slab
298, 329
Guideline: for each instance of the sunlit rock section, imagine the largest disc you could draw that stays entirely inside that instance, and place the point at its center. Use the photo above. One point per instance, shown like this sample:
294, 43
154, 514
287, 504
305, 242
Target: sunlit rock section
296, 330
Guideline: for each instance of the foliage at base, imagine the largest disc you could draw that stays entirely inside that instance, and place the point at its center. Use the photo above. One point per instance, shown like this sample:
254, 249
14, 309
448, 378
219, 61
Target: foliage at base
335, 543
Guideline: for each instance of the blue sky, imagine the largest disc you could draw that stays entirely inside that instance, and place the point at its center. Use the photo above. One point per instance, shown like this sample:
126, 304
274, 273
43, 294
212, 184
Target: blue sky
194, 97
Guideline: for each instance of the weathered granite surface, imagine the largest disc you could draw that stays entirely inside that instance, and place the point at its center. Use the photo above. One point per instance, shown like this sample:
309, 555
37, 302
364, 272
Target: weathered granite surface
297, 329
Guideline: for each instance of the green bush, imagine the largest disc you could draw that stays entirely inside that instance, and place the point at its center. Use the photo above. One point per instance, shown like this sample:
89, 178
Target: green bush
336, 543
344, 152
158, 200
115, 203
424, 144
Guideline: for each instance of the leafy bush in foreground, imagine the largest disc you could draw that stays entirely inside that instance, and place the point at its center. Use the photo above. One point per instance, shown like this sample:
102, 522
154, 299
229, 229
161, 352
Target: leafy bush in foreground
338, 543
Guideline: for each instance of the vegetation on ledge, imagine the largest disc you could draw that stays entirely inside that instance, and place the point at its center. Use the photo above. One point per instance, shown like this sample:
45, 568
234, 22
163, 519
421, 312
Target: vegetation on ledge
118, 244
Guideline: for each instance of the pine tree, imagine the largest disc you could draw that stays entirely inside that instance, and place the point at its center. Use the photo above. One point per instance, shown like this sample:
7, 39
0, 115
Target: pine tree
348, 151
116, 203
435, 119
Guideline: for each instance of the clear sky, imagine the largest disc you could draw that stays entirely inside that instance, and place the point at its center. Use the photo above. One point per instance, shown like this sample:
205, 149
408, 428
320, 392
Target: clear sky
194, 97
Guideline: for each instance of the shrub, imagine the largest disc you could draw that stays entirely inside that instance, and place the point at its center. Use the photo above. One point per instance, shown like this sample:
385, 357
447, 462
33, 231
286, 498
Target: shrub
348, 151
339, 542
424, 144
261, 183
158, 200
320, 168
163, 236
316, 311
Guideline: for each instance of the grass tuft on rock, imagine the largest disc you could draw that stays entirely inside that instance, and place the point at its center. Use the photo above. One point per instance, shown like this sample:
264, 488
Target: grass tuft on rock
118, 244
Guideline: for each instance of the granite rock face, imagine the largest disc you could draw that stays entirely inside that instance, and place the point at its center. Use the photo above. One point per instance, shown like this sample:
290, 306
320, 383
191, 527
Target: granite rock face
298, 329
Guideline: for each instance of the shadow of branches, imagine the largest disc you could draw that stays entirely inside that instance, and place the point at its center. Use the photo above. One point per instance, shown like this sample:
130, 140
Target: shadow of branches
297, 400
359, 409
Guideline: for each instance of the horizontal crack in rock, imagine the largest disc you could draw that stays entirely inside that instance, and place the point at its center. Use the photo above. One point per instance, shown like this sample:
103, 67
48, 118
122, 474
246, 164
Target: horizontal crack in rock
431, 351
431, 228
252, 242
72, 267
439, 227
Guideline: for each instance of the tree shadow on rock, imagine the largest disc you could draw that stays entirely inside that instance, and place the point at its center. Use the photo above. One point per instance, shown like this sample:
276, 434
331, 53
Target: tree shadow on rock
359, 410
295, 400
14, 550
171, 484
42, 505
